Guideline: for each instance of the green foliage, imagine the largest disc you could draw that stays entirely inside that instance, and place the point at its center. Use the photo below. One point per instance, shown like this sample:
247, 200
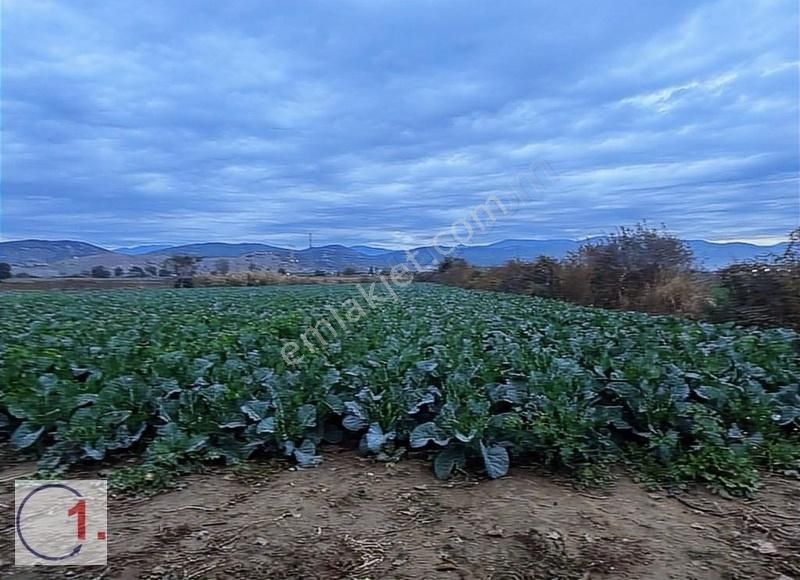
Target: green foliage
478, 379
144, 479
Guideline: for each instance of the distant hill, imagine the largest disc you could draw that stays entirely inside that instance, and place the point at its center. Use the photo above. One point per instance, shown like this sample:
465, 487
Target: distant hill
335, 258
709, 255
67, 257
218, 250
370, 250
424, 256
139, 250
712, 255
46, 251
506, 250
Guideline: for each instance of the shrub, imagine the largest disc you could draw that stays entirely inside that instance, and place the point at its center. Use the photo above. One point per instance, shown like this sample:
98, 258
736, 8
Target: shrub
100, 272
681, 292
760, 293
539, 278
624, 269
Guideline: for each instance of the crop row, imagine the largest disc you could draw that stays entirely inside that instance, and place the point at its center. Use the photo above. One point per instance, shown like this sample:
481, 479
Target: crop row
476, 378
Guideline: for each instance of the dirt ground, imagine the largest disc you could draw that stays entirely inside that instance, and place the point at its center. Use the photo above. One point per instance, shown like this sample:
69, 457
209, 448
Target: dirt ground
353, 518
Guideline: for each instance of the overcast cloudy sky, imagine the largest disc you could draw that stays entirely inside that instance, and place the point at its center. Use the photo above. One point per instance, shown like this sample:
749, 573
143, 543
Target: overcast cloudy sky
382, 122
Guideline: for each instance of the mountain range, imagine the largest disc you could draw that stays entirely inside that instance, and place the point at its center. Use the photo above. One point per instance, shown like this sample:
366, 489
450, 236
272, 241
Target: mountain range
67, 257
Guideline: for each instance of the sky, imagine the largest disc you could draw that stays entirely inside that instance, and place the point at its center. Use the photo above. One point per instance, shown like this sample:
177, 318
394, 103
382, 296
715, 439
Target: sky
384, 123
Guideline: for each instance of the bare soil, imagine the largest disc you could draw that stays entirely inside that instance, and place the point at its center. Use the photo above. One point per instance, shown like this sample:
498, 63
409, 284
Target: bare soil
353, 518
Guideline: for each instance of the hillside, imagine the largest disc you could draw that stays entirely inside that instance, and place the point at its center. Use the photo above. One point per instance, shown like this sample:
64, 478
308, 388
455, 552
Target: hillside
46, 251
713, 255
219, 250
68, 257
139, 250
370, 250
335, 258
500, 252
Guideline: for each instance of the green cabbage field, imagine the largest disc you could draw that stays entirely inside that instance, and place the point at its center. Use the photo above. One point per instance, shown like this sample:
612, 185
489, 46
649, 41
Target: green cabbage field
479, 381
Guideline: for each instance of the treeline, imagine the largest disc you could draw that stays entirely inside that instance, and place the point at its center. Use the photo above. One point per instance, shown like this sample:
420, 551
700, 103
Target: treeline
648, 269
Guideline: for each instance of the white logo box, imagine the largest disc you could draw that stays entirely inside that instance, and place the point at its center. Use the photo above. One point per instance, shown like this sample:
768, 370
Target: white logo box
61, 522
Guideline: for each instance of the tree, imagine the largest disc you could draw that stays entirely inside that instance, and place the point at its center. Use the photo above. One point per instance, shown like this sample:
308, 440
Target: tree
152, 270
118, 271
765, 291
136, 271
349, 271
5, 271
184, 268
792, 253
451, 263
181, 264
100, 272
222, 266
281, 270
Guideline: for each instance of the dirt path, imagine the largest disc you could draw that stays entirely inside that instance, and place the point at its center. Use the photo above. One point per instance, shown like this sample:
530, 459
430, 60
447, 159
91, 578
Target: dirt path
351, 518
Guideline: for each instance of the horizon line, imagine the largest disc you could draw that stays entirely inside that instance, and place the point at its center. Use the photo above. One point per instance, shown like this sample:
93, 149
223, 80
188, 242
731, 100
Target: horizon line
757, 241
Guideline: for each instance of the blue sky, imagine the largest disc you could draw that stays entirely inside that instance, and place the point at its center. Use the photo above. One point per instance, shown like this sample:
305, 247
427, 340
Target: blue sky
383, 122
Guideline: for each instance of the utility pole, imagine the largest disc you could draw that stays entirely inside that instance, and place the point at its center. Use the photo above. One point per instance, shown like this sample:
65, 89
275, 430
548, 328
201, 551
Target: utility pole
309, 241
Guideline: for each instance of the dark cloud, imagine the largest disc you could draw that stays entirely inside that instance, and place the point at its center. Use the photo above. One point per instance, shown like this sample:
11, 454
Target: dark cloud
384, 122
